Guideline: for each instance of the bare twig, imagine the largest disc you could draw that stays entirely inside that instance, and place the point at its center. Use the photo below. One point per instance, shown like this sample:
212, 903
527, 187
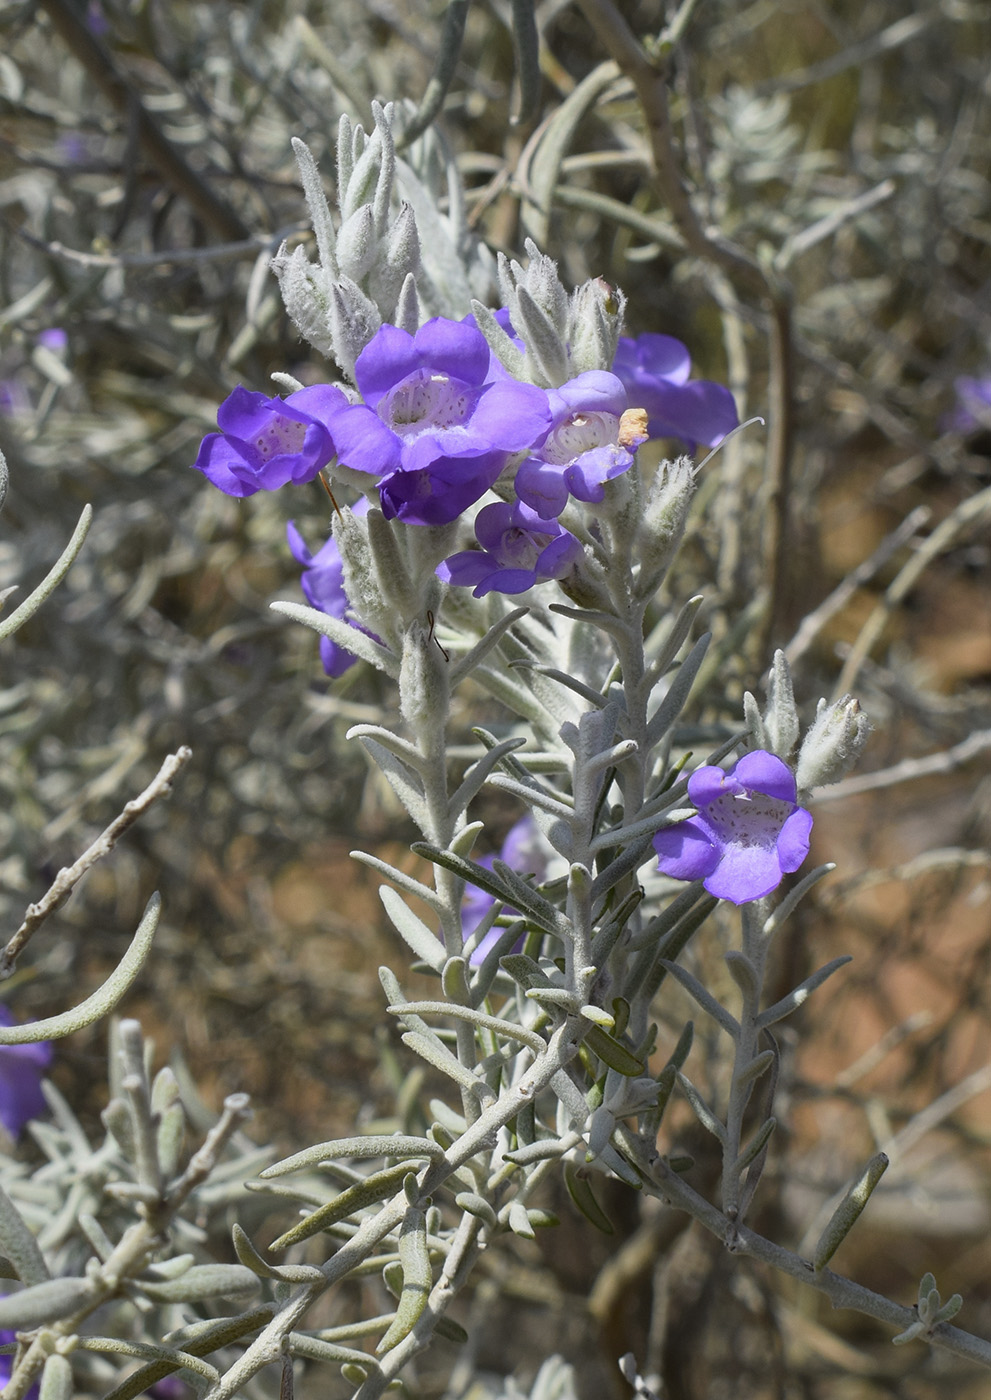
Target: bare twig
885, 41
650, 80
863, 573
67, 878
216, 252
970, 512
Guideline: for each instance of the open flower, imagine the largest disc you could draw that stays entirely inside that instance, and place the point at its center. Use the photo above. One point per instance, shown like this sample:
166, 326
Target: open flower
748, 834
519, 549
655, 369
585, 447
323, 586
22, 1068
266, 443
435, 427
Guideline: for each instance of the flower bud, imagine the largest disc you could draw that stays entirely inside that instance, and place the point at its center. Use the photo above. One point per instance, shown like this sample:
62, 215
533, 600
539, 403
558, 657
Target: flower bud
833, 744
424, 689
665, 512
596, 321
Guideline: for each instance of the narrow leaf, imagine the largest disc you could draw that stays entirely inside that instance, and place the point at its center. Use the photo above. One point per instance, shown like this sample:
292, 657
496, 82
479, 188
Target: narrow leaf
50, 582
19, 1245
414, 1255
613, 1053
375, 1188
45, 1302
347, 637
581, 1193
701, 1109
354, 1149
491, 639
801, 994
846, 1214
436, 1053
704, 998
421, 939
674, 701
202, 1281
103, 1001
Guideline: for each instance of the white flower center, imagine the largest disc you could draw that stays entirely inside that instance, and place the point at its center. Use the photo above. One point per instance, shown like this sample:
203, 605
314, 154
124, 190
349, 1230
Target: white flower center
280, 435
579, 434
426, 400
522, 548
754, 820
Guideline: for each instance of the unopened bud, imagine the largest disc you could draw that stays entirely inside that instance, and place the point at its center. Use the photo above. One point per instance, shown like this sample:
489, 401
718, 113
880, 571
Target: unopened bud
833, 744
665, 512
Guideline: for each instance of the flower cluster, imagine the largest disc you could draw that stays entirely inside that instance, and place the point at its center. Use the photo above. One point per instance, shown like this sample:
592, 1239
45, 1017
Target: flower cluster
438, 423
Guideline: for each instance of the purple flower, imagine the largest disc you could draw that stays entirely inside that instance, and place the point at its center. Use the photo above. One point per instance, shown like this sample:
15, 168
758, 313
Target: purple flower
524, 851
54, 339
435, 427
749, 831
655, 370
265, 443
587, 445
7, 1336
973, 406
22, 1068
323, 586
518, 550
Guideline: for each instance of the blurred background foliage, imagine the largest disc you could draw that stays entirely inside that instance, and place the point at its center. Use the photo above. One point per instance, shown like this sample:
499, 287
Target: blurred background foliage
145, 180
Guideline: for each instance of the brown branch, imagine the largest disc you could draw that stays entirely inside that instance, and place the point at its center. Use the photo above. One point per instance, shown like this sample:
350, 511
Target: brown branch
99, 63
650, 81
67, 878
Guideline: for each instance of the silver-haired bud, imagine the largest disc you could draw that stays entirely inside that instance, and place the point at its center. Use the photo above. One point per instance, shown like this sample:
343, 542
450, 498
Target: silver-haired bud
357, 245
596, 323
833, 744
781, 716
306, 295
354, 318
424, 679
665, 512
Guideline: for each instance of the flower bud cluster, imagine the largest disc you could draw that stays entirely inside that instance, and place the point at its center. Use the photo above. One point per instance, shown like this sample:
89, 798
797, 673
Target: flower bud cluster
393, 258
551, 336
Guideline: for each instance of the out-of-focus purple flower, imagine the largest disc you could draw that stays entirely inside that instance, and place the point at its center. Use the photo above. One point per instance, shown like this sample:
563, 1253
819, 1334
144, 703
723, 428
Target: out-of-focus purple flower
13, 398
434, 428
96, 20
524, 851
7, 1335
748, 834
587, 445
655, 370
170, 1388
519, 549
973, 406
22, 1068
323, 587
54, 339
266, 443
